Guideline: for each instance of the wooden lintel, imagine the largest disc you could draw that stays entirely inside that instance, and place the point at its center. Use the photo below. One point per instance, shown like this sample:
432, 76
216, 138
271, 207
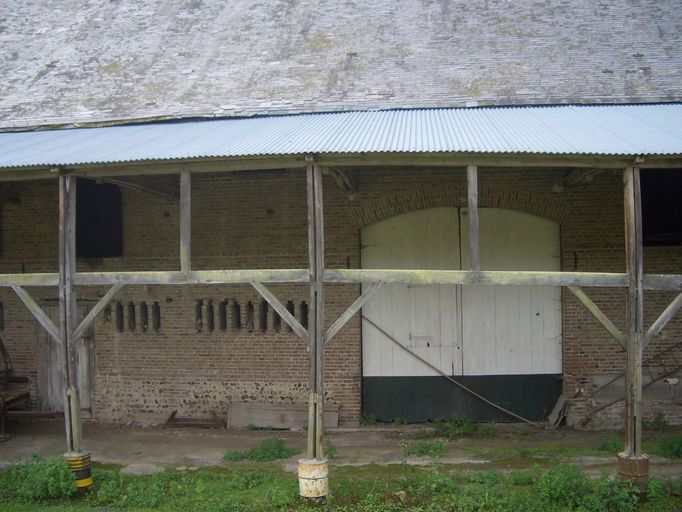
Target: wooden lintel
520, 278
282, 311
38, 313
193, 277
95, 311
352, 309
615, 333
662, 320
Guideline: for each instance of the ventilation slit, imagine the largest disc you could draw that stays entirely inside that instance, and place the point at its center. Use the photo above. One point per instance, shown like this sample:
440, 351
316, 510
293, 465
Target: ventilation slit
263, 316
132, 324
290, 309
144, 316
276, 321
2, 316
304, 314
236, 320
119, 317
198, 315
210, 318
156, 316
249, 316
222, 315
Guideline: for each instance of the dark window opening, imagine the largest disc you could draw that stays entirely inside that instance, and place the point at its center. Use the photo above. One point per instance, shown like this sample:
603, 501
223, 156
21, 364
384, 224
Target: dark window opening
661, 206
222, 315
210, 317
249, 317
99, 223
119, 317
263, 316
156, 316
131, 317
236, 316
144, 316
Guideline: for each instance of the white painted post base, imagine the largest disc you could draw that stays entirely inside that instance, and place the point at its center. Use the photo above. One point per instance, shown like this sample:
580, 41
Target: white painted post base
313, 478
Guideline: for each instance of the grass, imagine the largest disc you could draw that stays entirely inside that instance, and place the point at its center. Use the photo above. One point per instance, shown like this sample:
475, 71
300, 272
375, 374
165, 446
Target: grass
427, 448
268, 450
455, 428
266, 487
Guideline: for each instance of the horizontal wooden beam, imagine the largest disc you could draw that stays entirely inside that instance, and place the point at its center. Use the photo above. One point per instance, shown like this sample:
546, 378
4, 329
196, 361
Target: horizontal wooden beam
597, 313
520, 278
194, 277
670, 282
40, 279
348, 159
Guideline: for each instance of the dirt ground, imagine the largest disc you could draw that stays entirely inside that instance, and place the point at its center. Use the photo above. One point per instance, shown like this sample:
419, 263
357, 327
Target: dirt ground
514, 447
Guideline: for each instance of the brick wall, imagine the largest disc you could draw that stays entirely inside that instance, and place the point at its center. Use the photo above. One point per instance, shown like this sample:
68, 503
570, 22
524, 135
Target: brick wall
258, 220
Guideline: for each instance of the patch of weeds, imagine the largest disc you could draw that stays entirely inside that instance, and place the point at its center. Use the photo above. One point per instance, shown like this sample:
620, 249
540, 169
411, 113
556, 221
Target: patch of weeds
612, 445
399, 422
564, 485
658, 422
488, 478
270, 449
329, 449
433, 449
37, 480
522, 478
459, 427
368, 420
669, 447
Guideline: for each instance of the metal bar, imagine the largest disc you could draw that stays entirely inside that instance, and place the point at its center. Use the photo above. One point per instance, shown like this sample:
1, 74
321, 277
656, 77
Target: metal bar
635, 312
282, 311
472, 195
95, 311
352, 309
38, 313
615, 333
194, 277
185, 221
482, 277
662, 320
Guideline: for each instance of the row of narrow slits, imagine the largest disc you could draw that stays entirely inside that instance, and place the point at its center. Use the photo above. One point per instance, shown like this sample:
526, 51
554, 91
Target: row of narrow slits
231, 315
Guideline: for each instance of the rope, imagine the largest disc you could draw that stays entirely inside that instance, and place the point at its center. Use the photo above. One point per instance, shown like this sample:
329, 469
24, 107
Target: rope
459, 384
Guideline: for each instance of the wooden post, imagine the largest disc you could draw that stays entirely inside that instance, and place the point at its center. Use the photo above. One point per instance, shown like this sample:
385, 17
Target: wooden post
316, 310
185, 221
633, 465
472, 194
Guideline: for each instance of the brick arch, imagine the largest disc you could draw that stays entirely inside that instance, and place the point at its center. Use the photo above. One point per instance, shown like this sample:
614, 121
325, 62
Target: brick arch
449, 195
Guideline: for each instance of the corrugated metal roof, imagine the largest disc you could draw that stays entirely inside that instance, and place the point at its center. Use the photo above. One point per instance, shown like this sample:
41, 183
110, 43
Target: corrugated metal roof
567, 130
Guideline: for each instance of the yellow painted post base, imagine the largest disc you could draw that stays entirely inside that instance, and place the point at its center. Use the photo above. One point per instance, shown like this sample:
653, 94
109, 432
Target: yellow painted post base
313, 478
634, 470
81, 466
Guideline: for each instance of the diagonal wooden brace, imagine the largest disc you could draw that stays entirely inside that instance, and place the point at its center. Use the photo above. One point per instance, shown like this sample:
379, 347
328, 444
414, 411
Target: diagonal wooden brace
38, 313
94, 312
352, 309
662, 320
282, 311
615, 333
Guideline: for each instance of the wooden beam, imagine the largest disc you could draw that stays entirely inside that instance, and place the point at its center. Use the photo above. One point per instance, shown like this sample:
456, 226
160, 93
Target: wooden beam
95, 311
282, 311
37, 279
352, 309
38, 313
662, 282
484, 277
194, 277
185, 221
130, 183
634, 313
662, 320
472, 194
615, 333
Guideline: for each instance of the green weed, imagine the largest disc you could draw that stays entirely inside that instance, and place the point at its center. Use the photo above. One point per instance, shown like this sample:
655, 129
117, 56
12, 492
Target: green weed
329, 449
612, 445
37, 480
433, 449
270, 449
669, 447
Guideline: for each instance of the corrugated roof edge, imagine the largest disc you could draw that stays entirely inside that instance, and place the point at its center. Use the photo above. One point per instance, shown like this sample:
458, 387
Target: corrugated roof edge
174, 118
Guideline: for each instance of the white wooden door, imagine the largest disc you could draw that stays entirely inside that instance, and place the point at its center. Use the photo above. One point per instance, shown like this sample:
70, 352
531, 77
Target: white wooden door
512, 330
50, 377
423, 318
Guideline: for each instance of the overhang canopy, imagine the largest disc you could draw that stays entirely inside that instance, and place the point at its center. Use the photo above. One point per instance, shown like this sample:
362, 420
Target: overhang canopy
618, 130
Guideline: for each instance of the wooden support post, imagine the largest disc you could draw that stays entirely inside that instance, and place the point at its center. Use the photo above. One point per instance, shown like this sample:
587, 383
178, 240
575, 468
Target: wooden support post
185, 221
472, 193
632, 463
316, 310
67, 308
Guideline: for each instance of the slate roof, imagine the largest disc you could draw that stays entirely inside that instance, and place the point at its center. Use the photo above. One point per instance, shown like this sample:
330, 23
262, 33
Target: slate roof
66, 62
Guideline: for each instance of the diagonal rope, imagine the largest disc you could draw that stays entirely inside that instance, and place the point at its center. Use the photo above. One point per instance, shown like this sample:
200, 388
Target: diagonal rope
459, 384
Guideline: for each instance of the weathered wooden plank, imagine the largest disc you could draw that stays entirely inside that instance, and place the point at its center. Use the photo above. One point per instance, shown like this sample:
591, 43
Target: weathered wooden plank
185, 221
194, 277
36, 279
662, 282
38, 313
615, 333
352, 309
662, 320
498, 277
96, 310
282, 311
472, 197
634, 312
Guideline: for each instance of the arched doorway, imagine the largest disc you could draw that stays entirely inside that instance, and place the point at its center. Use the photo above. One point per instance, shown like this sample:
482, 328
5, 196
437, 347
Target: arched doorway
502, 341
